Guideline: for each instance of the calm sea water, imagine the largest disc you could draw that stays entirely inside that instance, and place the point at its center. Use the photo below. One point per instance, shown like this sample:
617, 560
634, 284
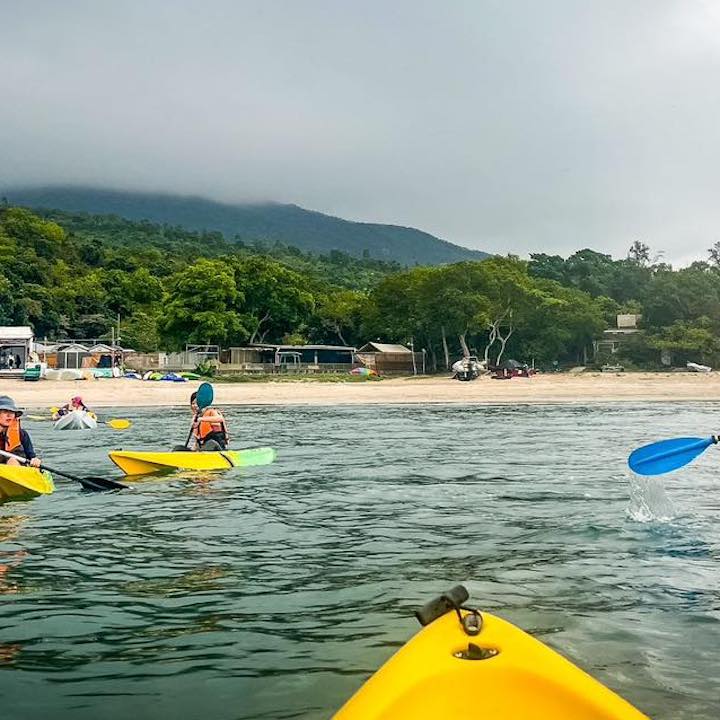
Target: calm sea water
274, 592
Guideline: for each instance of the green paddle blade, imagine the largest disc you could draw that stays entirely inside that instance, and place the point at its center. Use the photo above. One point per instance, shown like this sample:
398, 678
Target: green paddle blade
205, 395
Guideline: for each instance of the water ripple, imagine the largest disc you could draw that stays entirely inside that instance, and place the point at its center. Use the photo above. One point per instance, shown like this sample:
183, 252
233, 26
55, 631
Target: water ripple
274, 592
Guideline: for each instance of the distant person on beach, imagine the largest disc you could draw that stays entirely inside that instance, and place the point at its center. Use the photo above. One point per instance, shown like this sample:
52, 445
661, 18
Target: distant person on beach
209, 429
13, 438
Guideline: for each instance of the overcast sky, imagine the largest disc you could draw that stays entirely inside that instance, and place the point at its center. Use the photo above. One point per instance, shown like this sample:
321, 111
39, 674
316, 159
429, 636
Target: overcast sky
508, 126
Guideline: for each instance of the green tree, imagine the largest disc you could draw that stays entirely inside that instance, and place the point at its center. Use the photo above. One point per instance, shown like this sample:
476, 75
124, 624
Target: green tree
273, 300
340, 311
694, 341
714, 255
639, 253
140, 331
200, 305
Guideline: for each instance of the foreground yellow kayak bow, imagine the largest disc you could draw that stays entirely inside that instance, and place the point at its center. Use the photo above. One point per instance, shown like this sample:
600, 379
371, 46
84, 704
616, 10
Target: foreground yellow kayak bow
23, 482
464, 664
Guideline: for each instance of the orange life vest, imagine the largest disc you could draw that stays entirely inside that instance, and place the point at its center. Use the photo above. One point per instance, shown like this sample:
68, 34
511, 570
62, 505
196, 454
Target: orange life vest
211, 421
10, 437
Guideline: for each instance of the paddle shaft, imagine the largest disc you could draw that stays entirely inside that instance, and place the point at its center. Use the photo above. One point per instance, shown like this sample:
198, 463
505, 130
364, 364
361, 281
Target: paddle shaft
114, 423
192, 427
90, 483
203, 398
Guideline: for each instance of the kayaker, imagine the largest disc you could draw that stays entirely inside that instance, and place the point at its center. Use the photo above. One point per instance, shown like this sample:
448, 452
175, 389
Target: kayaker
75, 403
209, 428
12, 437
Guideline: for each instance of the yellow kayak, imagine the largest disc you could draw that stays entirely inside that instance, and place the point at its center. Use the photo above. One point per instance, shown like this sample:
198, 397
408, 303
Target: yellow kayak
17, 481
141, 463
499, 672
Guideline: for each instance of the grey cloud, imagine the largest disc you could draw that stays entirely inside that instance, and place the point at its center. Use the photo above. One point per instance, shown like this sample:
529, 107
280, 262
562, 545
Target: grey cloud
505, 126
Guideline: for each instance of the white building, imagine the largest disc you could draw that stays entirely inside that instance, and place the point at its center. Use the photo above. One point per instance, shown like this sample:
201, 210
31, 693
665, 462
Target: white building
16, 345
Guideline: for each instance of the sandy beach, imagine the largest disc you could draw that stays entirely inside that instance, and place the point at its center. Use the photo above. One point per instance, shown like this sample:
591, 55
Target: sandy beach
551, 388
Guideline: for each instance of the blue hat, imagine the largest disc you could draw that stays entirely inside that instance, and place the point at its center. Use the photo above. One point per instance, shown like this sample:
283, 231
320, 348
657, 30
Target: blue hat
7, 403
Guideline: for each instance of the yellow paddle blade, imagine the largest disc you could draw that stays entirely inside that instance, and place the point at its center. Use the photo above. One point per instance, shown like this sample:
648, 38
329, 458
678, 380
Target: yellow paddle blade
119, 424
53, 410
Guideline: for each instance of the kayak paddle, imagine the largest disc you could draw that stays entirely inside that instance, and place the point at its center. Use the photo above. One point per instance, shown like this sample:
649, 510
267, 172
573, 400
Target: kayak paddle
667, 455
204, 398
89, 483
114, 423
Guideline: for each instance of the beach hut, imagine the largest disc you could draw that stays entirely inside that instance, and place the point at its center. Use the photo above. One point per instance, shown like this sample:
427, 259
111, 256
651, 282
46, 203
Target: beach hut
270, 357
390, 358
613, 338
71, 356
103, 355
308, 358
47, 352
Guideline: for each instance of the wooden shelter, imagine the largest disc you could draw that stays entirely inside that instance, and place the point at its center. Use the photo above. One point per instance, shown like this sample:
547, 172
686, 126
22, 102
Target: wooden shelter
391, 358
281, 358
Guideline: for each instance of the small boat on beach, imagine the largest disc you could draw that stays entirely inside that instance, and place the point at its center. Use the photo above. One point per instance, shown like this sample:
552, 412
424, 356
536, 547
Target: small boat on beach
18, 482
142, 463
76, 420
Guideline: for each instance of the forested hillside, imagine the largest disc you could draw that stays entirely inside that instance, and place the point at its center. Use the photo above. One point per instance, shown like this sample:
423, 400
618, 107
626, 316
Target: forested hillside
266, 223
73, 275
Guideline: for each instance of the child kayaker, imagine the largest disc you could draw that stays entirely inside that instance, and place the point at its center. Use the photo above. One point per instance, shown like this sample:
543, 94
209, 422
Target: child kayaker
75, 403
12, 437
209, 428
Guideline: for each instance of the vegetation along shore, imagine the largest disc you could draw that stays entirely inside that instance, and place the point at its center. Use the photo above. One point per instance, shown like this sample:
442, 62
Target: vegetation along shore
72, 275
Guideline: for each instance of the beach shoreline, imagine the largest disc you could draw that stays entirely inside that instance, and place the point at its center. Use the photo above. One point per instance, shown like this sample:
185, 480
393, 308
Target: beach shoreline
549, 388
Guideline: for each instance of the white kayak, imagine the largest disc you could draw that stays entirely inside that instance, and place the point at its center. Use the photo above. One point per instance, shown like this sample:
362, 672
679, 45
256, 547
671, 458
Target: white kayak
76, 420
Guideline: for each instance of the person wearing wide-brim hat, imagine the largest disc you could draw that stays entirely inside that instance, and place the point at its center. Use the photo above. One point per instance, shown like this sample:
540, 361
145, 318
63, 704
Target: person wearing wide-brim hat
12, 437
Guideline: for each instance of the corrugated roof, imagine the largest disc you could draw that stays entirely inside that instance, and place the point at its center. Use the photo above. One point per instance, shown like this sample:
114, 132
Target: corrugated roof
270, 346
15, 332
73, 347
384, 348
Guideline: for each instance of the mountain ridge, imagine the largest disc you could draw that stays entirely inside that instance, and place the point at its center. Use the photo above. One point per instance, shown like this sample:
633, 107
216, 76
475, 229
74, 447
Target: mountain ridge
257, 222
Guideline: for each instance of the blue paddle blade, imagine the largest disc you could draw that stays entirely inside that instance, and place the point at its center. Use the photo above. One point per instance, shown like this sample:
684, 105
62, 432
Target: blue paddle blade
666, 455
204, 395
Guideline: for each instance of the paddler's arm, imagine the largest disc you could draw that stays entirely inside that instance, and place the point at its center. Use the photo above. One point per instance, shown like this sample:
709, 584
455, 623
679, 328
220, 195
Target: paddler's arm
28, 449
194, 441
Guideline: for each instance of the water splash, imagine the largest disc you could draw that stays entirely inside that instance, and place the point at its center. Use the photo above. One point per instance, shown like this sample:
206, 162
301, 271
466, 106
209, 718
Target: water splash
649, 501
